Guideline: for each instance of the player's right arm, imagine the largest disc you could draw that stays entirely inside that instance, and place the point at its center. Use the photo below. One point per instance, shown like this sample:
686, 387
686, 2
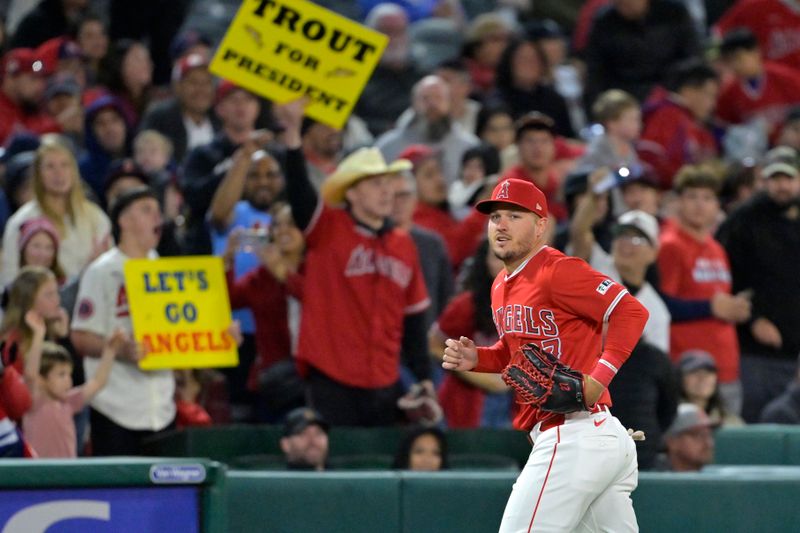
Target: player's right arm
462, 354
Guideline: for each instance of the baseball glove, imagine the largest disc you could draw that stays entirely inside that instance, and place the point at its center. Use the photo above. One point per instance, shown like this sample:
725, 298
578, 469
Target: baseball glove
541, 380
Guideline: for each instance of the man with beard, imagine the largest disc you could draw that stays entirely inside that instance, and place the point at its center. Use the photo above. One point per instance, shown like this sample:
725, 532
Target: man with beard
305, 440
242, 200
206, 166
762, 238
431, 125
22, 90
590, 323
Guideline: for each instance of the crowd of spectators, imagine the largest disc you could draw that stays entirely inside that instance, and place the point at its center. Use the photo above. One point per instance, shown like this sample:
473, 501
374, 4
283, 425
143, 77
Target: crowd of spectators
664, 134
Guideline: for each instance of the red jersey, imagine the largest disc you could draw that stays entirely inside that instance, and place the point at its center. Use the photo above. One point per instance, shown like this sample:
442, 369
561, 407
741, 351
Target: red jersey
551, 189
358, 287
772, 96
561, 304
461, 402
775, 24
696, 270
13, 120
462, 238
266, 297
673, 137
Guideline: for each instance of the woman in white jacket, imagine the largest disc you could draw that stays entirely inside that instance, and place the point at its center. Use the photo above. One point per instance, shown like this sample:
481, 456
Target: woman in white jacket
84, 229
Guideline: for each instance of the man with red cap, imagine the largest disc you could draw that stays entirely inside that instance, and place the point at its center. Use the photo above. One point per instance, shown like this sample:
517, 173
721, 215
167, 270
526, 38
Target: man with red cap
187, 118
22, 90
582, 468
231, 149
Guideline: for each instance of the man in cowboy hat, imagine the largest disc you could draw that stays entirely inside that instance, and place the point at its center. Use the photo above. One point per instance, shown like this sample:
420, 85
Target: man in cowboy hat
364, 294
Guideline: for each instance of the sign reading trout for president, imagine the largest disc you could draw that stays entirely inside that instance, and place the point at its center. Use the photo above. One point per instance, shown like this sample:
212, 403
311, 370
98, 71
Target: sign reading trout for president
287, 49
180, 312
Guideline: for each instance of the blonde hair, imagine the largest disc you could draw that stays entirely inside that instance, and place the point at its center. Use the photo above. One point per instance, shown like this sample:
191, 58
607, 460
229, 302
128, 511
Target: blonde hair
154, 136
21, 297
76, 205
611, 104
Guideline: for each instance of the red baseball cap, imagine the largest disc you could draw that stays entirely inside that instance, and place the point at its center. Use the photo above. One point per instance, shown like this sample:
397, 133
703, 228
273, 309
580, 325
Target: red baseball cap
57, 49
187, 63
516, 192
22, 60
226, 87
417, 153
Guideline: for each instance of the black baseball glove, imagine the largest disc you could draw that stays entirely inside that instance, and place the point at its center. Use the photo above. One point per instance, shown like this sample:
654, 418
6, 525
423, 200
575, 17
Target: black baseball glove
541, 380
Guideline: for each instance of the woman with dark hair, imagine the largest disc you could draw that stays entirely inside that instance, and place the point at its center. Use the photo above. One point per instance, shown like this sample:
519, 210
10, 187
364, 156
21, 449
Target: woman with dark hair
127, 72
423, 450
698, 383
522, 84
470, 399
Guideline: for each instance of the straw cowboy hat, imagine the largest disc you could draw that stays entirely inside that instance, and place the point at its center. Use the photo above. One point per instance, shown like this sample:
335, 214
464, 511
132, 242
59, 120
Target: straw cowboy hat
361, 164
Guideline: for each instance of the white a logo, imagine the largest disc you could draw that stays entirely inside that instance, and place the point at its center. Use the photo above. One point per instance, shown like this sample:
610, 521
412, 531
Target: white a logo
502, 194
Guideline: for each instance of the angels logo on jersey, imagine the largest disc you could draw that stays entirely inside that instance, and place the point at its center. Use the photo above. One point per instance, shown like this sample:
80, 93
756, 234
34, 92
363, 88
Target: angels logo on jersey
85, 308
122, 302
365, 261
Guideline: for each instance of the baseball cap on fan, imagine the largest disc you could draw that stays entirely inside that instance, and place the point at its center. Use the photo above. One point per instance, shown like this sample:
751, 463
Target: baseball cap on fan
644, 223
689, 417
519, 193
781, 160
22, 61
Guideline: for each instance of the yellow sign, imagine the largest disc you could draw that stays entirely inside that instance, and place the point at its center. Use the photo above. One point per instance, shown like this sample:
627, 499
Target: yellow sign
286, 49
180, 312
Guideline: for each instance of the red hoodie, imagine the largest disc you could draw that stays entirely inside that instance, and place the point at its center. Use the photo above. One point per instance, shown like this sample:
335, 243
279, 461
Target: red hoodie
673, 137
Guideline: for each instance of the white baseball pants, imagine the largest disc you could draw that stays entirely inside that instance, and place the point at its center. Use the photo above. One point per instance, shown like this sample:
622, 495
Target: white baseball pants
578, 478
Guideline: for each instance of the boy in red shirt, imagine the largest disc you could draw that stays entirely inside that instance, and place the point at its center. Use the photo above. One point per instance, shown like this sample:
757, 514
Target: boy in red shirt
675, 131
694, 266
760, 90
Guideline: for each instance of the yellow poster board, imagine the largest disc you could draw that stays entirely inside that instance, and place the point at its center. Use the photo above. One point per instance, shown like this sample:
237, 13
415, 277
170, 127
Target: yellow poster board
286, 49
180, 312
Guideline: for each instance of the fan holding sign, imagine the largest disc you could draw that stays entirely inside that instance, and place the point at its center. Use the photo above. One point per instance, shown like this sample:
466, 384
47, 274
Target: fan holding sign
135, 404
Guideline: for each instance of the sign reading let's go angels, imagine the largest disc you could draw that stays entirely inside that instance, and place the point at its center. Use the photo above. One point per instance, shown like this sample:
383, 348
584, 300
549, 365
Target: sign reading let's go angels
287, 49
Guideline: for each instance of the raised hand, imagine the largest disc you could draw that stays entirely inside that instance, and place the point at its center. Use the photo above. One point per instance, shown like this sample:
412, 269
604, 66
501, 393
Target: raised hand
36, 322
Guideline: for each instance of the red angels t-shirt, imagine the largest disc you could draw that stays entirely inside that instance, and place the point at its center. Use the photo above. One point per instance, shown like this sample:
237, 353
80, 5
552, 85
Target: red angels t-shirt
560, 303
358, 288
775, 24
692, 269
777, 92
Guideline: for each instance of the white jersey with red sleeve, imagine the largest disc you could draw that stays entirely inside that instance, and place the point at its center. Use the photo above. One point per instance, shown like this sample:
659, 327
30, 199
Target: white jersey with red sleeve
359, 285
561, 304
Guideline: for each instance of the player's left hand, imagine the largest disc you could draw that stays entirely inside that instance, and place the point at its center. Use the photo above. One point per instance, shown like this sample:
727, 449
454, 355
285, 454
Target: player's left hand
636, 434
592, 390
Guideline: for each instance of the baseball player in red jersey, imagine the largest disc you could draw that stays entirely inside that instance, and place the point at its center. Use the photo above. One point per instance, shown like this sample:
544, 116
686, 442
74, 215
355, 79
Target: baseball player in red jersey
582, 468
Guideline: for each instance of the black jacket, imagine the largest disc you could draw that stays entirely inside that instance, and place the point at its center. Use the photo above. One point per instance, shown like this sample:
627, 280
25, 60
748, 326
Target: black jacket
645, 395
635, 55
763, 246
44, 22
166, 118
205, 168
